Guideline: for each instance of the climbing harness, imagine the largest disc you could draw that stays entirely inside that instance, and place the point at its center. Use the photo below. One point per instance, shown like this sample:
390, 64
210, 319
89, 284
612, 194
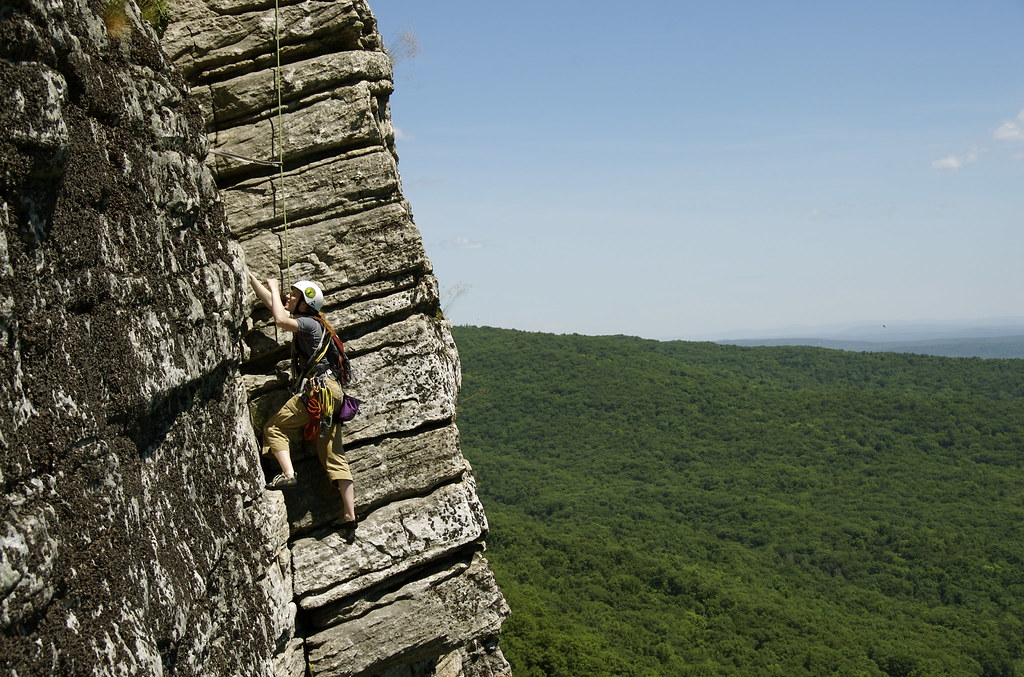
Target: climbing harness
318, 355
324, 410
317, 394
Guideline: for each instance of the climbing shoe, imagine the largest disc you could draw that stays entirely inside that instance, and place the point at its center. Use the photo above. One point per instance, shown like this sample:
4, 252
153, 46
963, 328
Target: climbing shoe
282, 482
347, 530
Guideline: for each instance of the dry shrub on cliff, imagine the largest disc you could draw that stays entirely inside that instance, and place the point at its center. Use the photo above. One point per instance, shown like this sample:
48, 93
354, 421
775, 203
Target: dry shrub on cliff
115, 17
405, 46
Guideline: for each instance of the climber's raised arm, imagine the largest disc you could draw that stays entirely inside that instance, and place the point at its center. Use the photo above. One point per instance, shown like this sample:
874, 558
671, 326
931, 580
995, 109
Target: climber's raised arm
269, 295
282, 311
262, 293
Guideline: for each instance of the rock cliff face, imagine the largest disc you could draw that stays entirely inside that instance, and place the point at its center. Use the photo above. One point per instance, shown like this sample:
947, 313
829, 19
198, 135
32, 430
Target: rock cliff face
132, 538
136, 536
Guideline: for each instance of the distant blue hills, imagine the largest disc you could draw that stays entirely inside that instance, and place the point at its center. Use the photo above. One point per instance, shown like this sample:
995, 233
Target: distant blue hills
986, 339
994, 347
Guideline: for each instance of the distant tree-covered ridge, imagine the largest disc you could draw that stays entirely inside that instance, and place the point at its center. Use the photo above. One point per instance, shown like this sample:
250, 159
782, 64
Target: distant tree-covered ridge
677, 508
988, 347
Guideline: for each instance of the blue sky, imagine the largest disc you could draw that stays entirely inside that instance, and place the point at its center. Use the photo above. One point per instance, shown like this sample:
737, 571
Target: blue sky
697, 170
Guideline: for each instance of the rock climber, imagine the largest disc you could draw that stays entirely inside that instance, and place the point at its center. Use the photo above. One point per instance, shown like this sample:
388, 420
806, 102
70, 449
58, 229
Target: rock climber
300, 313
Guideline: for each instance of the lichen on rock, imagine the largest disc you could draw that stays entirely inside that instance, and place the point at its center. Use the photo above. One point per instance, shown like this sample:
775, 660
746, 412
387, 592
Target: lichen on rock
136, 535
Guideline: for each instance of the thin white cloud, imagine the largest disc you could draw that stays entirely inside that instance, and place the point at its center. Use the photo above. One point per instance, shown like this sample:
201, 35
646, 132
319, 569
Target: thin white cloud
400, 135
1006, 131
423, 182
948, 163
1010, 130
463, 243
954, 163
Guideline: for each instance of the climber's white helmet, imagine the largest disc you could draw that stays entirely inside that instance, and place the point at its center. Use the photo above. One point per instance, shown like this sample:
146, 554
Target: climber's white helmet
311, 293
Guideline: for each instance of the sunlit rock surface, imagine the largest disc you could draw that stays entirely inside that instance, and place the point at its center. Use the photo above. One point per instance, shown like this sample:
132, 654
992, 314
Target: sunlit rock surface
414, 589
136, 536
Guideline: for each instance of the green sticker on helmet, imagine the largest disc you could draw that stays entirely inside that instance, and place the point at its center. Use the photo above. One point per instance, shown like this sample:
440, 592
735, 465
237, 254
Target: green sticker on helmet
310, 292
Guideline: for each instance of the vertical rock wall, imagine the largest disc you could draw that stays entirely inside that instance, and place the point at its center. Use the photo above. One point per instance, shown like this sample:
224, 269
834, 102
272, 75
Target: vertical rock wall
413, 592
136, 537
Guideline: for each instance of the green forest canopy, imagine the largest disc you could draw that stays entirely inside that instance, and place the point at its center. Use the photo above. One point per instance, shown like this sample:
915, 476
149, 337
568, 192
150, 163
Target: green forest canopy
678, 508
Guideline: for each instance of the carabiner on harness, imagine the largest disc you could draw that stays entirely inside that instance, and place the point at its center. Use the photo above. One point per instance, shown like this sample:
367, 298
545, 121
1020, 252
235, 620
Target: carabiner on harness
320, 404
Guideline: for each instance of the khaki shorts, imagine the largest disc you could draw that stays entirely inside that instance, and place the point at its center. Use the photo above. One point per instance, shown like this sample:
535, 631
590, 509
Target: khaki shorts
284, 429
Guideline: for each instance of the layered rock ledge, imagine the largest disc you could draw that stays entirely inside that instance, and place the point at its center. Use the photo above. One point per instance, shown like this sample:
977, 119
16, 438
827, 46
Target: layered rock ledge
136, 535
414, 590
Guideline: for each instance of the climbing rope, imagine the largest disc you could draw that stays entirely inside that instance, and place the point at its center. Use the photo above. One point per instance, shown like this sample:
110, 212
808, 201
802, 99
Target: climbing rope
280, 137
312, 429
320, 405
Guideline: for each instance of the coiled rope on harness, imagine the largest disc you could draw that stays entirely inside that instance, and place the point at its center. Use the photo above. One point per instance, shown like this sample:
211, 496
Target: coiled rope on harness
320, 405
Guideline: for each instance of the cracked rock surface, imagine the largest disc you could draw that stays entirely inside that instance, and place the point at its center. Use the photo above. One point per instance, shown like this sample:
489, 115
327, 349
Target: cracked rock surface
414, 591
136, 535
